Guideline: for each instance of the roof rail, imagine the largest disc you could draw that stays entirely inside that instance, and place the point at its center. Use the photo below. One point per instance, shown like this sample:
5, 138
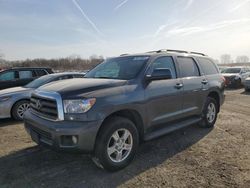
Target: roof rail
178, 51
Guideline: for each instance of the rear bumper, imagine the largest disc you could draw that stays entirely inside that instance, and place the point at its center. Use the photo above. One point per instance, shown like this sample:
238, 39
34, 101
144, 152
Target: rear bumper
51, 133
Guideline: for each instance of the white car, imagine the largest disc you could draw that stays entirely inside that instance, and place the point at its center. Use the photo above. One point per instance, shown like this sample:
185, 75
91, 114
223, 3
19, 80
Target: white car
247, 84
236, 76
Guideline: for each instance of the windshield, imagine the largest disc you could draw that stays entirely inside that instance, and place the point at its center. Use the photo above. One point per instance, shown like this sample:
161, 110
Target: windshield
39, 81
231, 70
123, 68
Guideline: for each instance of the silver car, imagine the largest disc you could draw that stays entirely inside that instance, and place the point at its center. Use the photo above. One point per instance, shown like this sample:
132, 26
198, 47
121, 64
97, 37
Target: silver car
247, 84
15, 101
235, 76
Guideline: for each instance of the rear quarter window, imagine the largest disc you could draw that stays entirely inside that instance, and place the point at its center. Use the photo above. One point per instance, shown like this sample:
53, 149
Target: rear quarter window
207, 66
41, 72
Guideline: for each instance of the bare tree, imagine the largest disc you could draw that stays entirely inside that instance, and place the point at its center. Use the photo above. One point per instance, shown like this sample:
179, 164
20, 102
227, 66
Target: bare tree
2, 61
242, 59
225, 59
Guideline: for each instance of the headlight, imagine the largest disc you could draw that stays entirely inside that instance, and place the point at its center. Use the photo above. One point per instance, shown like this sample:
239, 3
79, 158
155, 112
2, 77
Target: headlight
78, 106
2, 99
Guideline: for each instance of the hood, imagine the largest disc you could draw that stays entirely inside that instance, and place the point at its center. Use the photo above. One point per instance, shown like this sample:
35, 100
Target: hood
230, 74
73, 87
14, 90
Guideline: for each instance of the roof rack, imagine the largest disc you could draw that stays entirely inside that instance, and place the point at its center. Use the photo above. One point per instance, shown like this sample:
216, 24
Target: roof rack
178, 51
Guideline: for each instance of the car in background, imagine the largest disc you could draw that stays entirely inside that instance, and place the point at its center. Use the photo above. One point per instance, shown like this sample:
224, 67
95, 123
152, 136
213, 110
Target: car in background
21, 76
15, 101
222, 68
235, 76
247, 84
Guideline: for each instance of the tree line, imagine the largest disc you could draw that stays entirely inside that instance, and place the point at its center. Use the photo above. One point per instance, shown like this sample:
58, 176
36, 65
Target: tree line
60, 64
227, 59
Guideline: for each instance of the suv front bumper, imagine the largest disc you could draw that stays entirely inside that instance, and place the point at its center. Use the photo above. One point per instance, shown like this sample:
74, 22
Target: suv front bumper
52, 133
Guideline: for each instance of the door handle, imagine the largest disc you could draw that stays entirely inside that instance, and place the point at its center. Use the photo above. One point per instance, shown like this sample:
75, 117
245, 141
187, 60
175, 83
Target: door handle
204, 82
178, 86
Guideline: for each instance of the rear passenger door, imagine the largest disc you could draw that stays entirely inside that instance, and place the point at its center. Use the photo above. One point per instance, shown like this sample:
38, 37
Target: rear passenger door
193, 86
25, 76
164, 99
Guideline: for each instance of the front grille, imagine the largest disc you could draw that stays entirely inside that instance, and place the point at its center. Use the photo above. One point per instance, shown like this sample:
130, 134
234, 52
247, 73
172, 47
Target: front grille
44, 107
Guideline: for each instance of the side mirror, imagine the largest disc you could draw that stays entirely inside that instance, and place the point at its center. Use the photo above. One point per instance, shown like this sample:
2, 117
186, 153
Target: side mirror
159, 74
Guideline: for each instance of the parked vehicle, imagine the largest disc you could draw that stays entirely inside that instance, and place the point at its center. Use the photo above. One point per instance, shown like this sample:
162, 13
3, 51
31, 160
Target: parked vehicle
15, 101
125, 100
235, 76
20, 76
247, 84
222, 68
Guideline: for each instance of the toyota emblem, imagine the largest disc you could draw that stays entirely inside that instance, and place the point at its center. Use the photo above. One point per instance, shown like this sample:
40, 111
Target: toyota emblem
38, 104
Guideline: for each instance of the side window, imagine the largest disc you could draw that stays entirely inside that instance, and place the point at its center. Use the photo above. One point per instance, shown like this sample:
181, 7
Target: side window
207, 66
188, 67
25, 74
41, 72
165, 62
7, 76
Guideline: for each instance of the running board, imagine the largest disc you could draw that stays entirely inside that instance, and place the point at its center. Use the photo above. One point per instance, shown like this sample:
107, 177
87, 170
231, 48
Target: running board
171, 128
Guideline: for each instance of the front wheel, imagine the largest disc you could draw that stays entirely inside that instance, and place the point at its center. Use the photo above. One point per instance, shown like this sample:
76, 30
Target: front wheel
19, 109
209, 114
116, 144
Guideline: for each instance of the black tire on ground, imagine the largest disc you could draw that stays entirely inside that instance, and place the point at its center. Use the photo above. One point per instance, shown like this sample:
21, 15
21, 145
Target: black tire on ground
205, 122
238, 84
112, 125
16, 107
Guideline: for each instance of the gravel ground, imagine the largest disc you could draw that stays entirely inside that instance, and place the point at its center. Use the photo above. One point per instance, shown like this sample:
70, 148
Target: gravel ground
192, 157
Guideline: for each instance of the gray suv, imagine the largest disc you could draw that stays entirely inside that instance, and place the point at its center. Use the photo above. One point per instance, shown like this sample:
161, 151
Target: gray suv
126, 100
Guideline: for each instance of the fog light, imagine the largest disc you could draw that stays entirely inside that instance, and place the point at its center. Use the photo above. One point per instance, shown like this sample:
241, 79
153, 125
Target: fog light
69, 140
74, 139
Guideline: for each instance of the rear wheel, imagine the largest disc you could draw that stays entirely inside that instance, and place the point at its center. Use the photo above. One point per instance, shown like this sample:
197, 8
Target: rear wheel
116, 144
209, 114
19, 109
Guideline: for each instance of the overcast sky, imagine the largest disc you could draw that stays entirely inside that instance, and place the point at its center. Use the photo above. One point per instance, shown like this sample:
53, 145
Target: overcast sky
59, 28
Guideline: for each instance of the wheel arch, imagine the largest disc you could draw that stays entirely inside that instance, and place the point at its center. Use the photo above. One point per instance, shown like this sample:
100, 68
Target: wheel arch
215, 95
132, 115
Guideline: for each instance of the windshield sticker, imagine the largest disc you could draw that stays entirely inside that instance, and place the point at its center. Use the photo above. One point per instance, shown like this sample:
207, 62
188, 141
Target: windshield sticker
140, 58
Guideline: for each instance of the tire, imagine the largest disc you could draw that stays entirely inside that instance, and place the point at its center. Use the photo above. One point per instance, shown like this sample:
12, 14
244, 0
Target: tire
211, 107
19, 108
106, 141
238, 84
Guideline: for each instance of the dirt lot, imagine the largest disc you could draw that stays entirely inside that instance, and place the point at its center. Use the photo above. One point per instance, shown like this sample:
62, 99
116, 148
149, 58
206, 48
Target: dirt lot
193, 157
